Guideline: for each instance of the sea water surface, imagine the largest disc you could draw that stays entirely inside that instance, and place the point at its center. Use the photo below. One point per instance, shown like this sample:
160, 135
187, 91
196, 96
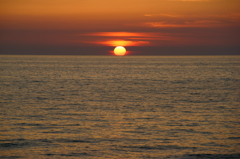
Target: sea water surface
120, 107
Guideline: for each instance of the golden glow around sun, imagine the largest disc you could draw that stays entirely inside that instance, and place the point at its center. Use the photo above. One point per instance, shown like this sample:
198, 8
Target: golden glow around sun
120, 51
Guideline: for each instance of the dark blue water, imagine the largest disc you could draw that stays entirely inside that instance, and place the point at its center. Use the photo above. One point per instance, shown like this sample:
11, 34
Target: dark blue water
120, 107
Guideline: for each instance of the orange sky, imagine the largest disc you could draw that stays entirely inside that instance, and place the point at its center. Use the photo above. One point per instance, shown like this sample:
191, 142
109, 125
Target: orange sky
147, 24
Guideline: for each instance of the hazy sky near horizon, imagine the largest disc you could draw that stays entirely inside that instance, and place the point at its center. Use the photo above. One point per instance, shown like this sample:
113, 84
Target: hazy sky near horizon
144, 27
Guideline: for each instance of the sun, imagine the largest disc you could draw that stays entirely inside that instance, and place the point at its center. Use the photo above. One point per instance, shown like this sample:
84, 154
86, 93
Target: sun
119, 51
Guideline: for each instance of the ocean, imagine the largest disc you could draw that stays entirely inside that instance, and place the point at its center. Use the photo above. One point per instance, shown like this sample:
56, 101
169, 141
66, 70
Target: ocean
180, 107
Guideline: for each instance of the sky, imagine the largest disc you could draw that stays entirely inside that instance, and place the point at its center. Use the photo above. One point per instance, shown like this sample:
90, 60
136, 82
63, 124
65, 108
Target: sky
143, 27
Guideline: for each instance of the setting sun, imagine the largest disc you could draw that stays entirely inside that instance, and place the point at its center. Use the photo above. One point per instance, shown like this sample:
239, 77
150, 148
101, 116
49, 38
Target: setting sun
119, 51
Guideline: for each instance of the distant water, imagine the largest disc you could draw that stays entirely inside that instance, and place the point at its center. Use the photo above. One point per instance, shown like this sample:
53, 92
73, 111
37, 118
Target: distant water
120, 107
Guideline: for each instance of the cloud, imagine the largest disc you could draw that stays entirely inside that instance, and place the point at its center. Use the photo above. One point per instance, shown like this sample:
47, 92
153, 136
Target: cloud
116, 34
174, 20
163, 15
122, 43
190, 0
186, 24
123, 38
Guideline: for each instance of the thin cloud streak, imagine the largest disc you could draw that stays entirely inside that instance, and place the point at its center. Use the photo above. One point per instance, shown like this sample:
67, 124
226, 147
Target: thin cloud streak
195, 24
122, 34
163, 15
188, 21
126, 38
203, 15
146, 39
190, 0
122, 43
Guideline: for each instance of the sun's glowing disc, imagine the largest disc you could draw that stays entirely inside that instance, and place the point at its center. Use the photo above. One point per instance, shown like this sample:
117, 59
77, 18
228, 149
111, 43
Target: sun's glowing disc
120, 51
